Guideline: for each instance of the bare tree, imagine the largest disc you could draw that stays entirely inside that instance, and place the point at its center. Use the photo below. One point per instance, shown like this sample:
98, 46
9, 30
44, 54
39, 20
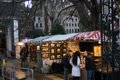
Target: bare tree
88, 11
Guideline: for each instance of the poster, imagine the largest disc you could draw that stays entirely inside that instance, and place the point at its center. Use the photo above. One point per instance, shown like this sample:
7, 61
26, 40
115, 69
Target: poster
97, 51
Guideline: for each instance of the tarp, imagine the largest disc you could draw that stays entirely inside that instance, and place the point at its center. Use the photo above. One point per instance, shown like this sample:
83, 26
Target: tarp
92, 35
60, 37
38, 39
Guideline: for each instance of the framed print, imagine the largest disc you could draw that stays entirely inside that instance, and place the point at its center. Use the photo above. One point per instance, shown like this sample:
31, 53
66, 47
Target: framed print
59, 56
64, 45
58, 50
52, 56
52, 45
44, 49
45, 44
97, 51
52, 51
64, 50
58, 45
45, 55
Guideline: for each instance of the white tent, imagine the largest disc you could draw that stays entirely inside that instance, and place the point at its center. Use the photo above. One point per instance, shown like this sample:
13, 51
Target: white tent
38, 39
60, 37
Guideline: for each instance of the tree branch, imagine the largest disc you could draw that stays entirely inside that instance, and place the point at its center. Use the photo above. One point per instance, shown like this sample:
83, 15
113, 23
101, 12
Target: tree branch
62, 11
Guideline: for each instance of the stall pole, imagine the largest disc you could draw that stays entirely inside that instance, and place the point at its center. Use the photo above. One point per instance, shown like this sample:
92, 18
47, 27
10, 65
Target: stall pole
39, 59
65, 73
65, 62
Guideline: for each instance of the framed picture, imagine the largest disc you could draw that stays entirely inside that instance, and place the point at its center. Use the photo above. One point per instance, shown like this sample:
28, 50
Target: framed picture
52, 51
45, 55
52, 56
58, 50
52, 45
45, 44
59, 56
58, 45
64, 44
97, 51
44, 49
64, 50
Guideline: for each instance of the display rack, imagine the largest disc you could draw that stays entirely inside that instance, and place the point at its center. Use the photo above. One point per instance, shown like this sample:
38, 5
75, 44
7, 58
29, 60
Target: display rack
45, 50
57, 50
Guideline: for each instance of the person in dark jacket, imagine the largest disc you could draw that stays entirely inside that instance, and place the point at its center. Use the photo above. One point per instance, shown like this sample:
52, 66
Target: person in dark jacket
2, 57
90, 66
23, 56
66, 65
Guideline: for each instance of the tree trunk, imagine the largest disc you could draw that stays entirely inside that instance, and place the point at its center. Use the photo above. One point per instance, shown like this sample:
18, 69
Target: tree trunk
46, 21
89, 22
95, 15
84, 18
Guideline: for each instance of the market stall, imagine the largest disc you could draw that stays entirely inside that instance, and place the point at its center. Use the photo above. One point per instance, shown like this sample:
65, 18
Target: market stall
91, 42
32, 48
56, 46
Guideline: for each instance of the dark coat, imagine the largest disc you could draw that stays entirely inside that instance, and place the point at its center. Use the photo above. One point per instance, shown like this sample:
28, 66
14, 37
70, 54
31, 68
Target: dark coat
23, 54
89, 63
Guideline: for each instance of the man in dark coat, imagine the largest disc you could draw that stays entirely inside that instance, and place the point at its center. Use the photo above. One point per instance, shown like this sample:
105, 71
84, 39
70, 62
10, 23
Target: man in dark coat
90, 66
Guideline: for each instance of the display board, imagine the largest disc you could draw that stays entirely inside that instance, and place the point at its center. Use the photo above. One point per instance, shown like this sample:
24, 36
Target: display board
45, 50
57, 50
53, 50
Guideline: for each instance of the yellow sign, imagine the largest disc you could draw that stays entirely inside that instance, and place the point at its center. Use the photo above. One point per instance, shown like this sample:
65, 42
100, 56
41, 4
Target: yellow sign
97, 51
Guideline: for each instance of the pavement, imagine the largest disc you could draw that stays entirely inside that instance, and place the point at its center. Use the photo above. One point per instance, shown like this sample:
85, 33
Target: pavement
37, 76
48, 77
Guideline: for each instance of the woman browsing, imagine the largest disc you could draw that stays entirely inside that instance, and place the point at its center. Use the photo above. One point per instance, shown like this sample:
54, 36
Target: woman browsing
75, 62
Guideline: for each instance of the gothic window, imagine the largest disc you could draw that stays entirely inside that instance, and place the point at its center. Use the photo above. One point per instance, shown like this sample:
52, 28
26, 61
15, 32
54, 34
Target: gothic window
72, 25
75, 24
69, 25
39, 18
40, 24
72, 31
36, 25
76, 19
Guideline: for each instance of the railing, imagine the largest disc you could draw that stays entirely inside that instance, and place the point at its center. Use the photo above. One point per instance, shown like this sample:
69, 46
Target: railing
14, 73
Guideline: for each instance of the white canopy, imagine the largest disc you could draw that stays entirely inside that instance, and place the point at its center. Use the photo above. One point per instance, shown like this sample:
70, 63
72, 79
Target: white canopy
60, 37
38, 39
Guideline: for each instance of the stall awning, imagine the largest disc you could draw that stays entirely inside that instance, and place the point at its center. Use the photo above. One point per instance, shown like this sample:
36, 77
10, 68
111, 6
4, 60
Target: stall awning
38, 40
60, 37
92, 35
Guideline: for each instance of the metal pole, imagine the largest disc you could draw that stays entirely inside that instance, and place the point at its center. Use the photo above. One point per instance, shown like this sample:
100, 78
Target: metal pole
65, 73
101, 26
39, 60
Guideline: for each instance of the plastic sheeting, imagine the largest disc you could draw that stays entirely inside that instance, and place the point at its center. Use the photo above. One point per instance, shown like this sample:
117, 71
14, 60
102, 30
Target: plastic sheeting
60, 37
38, 39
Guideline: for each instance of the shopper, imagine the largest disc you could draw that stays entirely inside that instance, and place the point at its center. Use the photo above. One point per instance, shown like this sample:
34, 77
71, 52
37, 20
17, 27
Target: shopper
23, 56
2, 57
75, 62
66, 65
90, 66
